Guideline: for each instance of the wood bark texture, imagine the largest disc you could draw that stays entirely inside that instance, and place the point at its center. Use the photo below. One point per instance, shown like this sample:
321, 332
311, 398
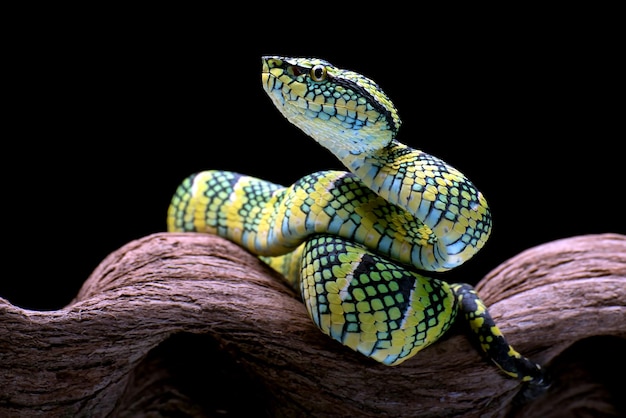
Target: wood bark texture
192, 325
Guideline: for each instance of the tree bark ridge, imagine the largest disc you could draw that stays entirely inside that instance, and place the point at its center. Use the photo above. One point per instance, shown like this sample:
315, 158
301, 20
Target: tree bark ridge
163, 308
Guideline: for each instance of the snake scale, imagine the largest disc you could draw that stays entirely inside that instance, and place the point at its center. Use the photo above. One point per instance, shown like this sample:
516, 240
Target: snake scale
353, 243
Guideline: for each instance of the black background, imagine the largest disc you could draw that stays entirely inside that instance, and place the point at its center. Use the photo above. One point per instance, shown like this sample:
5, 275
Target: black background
105, 116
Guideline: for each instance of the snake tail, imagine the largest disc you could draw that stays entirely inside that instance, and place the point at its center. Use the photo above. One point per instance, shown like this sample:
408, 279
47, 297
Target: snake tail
491, 340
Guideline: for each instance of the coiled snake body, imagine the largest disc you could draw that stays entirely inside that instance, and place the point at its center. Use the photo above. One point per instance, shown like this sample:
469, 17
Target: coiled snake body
352, 242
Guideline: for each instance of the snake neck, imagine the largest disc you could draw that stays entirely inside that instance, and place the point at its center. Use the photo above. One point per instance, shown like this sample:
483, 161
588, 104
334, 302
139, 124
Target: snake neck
429, 189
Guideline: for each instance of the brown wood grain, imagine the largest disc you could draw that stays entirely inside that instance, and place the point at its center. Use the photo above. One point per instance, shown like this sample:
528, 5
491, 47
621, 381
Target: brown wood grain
192, 325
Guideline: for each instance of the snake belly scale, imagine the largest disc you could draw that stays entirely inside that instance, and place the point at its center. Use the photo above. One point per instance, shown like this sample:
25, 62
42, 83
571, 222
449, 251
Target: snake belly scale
355, 243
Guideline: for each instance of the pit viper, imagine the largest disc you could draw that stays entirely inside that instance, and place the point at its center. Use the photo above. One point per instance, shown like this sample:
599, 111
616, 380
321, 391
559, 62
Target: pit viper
355, 243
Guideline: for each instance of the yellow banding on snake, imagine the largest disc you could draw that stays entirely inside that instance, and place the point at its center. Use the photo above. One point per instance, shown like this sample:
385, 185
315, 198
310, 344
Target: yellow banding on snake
351, 242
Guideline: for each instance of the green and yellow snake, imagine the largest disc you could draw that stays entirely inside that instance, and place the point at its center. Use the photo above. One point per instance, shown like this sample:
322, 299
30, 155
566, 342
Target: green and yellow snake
352, 243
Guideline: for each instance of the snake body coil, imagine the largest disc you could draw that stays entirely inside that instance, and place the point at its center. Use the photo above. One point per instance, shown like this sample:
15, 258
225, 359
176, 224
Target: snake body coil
352, 242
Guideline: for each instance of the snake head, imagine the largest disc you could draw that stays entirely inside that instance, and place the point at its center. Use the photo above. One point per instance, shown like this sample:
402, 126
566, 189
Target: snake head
342, 110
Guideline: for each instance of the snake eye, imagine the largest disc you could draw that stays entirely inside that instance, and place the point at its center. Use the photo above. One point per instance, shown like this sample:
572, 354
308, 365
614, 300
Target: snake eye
318, 73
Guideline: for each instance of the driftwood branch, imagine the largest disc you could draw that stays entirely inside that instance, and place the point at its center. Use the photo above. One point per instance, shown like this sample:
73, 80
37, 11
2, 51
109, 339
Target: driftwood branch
194, 324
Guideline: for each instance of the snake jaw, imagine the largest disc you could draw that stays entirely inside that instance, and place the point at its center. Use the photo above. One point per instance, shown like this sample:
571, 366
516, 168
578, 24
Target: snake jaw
343, 111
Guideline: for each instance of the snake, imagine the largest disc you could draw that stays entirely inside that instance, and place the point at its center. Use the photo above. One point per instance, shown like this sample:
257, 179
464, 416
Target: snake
357, 244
